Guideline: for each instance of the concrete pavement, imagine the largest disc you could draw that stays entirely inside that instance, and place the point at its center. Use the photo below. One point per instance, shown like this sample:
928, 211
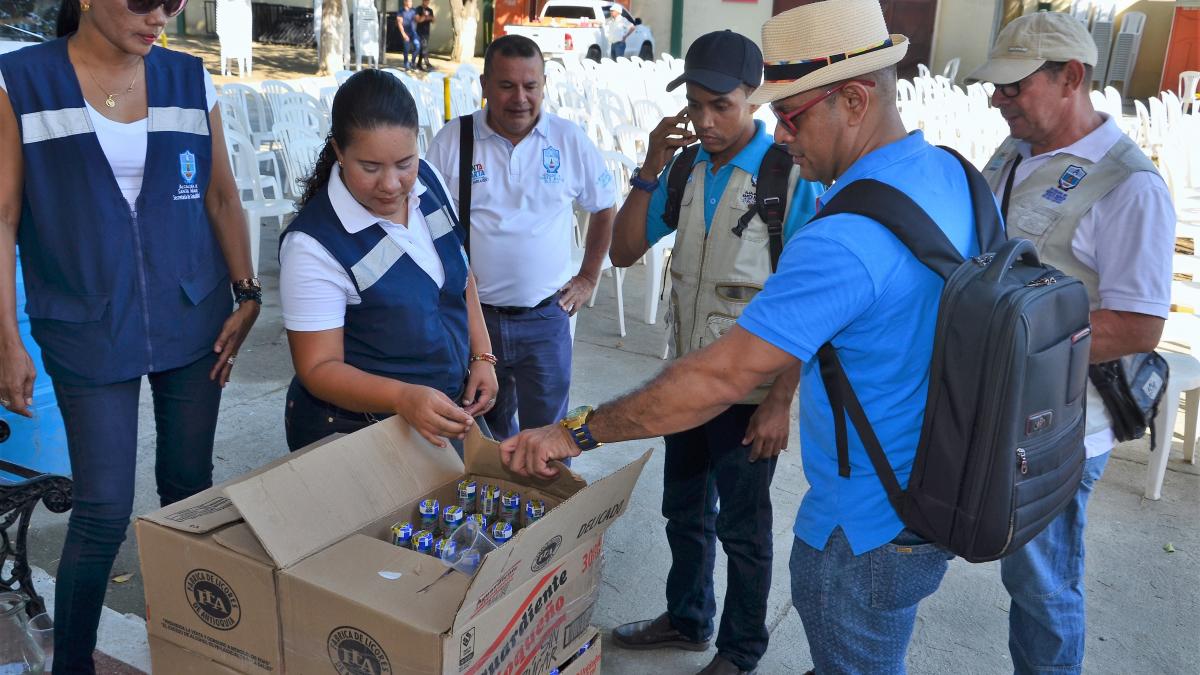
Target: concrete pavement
1143, 600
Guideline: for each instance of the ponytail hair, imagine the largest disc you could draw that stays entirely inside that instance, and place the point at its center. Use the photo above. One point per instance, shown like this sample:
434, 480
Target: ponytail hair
68, 18
369, 99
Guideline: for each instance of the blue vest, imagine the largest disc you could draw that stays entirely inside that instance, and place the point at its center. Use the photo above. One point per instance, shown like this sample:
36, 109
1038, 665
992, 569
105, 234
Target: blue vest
113, 295
405, 328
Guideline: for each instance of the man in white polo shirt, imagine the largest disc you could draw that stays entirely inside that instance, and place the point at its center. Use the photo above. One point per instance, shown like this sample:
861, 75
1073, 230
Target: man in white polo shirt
528, 168
1072, 182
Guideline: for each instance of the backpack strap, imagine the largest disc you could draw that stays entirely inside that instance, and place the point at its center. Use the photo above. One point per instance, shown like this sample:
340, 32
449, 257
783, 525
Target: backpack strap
466, 153
677, 177
770, 199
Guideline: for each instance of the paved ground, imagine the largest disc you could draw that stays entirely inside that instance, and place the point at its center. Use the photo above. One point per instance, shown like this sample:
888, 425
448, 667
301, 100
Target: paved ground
1144, 601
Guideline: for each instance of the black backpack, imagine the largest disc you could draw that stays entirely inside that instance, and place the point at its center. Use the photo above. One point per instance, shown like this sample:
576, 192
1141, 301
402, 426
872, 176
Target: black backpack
770, 194
1001, 447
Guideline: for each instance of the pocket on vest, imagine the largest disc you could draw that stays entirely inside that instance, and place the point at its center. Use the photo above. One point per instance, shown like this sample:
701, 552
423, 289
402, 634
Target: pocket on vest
200, 284
66, 306
1034, 221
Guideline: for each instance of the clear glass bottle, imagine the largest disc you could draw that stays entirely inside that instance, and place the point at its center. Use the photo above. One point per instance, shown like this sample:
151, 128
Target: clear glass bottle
19, 654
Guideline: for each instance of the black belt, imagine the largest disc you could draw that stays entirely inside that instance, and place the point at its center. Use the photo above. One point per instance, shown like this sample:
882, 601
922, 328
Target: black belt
519, 310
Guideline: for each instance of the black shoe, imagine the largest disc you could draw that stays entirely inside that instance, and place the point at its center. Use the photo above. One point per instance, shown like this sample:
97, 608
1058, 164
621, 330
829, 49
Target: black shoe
722, 666
654, 634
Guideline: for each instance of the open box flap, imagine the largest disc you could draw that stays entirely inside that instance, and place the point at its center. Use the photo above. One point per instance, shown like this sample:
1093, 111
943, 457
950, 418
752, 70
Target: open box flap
211, 509
314, 500
581, 517
483, 459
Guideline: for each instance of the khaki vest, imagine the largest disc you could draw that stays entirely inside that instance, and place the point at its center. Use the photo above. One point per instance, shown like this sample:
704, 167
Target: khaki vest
714, 277
1046, 209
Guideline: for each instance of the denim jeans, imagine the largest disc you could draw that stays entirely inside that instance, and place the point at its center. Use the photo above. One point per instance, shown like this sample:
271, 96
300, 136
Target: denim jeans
307, 419
704, 466
617, 49
858, 611
1045, 580
534, 370
102, 439
412, 47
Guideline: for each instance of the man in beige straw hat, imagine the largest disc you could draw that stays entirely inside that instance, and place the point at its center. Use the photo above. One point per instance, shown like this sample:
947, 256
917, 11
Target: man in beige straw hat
846, 281
1070, 181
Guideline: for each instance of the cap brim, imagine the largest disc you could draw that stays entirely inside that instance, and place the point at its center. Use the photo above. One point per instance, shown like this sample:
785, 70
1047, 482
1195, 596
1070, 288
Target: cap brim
1004, 71
842, 70
719, 83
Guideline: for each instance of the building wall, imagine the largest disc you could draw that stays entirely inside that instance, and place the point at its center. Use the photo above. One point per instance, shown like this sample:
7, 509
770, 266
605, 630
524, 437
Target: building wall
657, 15
964, 29
1153, 51
705, 16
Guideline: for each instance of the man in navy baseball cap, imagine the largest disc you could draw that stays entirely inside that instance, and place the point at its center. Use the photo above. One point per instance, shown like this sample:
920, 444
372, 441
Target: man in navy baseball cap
712, 197
720, 62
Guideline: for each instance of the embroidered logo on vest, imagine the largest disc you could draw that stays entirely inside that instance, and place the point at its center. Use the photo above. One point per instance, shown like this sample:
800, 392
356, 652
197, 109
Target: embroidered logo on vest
187, 171
1071, 176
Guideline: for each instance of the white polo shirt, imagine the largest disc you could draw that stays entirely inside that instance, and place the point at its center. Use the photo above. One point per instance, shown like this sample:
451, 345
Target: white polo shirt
314, 289
522, 220
1127, 237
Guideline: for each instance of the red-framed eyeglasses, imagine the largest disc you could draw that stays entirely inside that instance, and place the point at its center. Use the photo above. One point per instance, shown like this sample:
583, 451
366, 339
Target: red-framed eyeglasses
786, 118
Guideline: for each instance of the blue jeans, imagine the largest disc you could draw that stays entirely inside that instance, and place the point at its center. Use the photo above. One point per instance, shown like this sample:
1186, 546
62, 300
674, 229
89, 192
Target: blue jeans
102, 439
534, 370
617, 49
858, 611
1045, 580
412, 47
703, 466
307, 419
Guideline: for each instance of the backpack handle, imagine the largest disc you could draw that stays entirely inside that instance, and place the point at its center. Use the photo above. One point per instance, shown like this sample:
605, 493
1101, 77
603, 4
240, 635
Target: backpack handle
1007, 254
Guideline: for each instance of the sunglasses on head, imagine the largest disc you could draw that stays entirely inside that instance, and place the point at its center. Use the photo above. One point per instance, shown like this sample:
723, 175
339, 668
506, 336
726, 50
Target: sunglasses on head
787, 119
143, 7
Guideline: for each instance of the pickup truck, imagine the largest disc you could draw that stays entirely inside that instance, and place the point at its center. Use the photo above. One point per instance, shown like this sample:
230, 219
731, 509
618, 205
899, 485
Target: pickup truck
576, 28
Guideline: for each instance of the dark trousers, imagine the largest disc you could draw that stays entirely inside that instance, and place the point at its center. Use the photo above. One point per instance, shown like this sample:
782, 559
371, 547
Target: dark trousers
703, 467
102, 438
423, 51
307, 419
534, 370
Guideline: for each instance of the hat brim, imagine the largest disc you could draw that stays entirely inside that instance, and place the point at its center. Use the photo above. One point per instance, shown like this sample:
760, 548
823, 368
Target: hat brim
719, 83
836, 72
1004, 71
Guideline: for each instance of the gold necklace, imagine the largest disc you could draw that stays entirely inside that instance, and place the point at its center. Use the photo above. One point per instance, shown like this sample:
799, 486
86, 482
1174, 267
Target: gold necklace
111, 100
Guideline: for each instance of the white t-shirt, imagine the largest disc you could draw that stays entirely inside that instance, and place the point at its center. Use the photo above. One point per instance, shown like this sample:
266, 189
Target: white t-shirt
124, 144
314, 289
1127, 237
616, 28
522, 220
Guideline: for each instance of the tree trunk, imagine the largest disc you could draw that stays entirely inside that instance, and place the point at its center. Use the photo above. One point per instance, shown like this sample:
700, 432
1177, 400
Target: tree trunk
463, 25
333, 38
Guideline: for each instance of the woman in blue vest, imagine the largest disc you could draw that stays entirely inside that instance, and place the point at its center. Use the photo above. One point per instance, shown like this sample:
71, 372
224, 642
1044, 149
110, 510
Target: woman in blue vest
117, 187
378, 301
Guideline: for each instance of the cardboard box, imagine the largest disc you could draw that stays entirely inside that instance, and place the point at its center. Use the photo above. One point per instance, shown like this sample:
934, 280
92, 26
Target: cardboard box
287, 569
585, 662
167, 658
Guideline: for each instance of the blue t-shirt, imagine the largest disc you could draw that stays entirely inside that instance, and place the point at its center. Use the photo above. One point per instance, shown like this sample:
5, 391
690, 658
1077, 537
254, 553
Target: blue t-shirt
801, 205
848, 280
407, 17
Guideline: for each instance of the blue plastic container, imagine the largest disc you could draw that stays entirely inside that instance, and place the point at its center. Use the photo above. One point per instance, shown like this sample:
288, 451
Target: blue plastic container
39, 444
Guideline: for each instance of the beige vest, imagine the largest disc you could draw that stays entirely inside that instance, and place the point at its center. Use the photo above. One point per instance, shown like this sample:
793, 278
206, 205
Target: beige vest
714, 277
1046, 209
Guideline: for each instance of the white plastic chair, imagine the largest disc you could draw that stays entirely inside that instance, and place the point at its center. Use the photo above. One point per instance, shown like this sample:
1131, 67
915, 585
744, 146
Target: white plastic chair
305, 111
255, 204
1189, 82
950, 72
647, 114
366, 33
1125, 53
632, 141
1183, 382
234, 23
296, 142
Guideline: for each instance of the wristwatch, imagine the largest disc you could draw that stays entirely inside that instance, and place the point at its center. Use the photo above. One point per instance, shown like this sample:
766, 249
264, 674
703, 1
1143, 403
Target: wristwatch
576, 423
642, 184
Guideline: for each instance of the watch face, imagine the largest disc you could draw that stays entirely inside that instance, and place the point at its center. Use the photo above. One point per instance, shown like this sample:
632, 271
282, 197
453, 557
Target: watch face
578, 414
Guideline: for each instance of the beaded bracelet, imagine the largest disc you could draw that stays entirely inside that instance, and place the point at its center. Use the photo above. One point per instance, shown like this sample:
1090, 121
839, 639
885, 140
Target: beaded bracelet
484, 356
247, 289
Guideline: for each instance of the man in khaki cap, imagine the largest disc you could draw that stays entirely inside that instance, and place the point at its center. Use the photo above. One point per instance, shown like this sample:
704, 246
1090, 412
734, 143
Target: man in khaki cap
843, 280
1070, 181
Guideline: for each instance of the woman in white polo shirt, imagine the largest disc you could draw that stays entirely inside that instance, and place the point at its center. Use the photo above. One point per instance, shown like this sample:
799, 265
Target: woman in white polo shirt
378, 300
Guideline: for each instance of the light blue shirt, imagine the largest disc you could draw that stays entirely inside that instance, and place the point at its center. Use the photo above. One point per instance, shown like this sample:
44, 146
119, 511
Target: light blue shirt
848, 280
801, 205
